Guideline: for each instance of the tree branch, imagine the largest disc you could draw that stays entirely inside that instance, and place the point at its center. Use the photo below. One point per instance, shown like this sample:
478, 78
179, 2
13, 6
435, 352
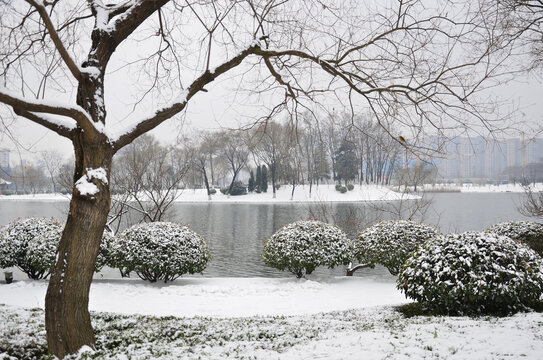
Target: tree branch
27, 105
166, 113
58, 128
133, 17
74, 69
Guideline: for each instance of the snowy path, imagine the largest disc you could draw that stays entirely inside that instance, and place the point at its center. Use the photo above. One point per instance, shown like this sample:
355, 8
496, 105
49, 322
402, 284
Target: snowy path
220, 297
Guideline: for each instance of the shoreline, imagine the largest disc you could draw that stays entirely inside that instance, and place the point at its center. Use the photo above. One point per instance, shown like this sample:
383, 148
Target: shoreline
321, 194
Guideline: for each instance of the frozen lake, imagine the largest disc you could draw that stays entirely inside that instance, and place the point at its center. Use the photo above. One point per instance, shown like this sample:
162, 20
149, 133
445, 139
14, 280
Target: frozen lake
236, 233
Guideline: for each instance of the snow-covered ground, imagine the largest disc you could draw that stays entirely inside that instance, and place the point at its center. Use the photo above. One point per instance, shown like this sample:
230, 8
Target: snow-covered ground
499, 188
322, 193
222, 297
245, 319
36, 197
487, 188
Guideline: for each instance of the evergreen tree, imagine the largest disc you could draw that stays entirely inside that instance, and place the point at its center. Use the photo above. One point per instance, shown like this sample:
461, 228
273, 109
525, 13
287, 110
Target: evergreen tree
345, 157
258, 179
264, 179
251, 186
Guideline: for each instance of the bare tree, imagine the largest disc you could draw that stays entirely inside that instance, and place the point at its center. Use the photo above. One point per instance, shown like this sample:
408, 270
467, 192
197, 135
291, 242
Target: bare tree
532, 204
202, 155
52, 161
313, 150
34, 179
268, 142
65, 177
145, 179
409, 63
235, 152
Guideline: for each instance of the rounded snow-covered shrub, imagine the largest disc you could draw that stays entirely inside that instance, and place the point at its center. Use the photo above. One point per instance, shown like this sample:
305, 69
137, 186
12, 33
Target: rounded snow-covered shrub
350, 187
302, 246
473, 273
212, 191
238, 189
159, 251
31, 245
103, 257
527, 232
390, 243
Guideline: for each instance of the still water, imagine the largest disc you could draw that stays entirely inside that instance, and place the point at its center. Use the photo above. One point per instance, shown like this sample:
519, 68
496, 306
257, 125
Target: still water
236, 233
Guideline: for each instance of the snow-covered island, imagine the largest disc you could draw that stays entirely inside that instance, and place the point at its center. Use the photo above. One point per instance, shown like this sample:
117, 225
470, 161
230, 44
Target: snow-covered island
322, 193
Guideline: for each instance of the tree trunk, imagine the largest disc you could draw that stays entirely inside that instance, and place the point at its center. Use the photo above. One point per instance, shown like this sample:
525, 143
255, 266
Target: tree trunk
206, 182
67, 318
232, 183
272, 168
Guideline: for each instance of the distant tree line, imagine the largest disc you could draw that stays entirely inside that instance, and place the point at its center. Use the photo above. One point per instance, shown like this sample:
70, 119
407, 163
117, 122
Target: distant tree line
304, 151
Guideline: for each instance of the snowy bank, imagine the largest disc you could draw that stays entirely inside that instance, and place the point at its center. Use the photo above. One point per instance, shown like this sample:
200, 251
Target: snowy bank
220, 297
322, 193
36, 197
487, 188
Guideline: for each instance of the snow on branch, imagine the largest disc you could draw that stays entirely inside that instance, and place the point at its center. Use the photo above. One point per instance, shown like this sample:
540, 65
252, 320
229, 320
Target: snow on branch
161, 115
25, 106
121, 20
106, 13
58, 125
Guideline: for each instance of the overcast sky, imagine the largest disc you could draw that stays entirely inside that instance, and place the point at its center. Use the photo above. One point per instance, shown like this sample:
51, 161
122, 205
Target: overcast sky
216, 109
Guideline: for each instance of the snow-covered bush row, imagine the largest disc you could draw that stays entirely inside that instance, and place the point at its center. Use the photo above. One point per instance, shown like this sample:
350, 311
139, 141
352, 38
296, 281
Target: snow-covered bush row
31, 245
302, 246
390, 243
473, 273
159, 251
528, 232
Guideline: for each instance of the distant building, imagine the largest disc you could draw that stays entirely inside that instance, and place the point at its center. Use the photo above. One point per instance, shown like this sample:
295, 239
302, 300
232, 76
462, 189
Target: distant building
476, 158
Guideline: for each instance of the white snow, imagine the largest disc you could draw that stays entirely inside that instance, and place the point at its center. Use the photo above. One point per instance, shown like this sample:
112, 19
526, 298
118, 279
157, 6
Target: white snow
322, 193
221, 297
367, 332
86, 187
486, 188
36, 197
59, 120
99, 174
50, 103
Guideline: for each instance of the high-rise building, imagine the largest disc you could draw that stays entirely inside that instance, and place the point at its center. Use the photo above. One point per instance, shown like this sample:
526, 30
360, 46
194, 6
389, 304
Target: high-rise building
477, 158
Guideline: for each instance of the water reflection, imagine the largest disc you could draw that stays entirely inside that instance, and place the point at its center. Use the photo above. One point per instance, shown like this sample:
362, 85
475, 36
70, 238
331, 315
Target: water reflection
236, 233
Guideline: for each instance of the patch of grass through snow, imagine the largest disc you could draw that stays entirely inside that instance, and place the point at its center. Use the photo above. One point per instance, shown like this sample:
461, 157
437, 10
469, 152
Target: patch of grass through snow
383, 329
